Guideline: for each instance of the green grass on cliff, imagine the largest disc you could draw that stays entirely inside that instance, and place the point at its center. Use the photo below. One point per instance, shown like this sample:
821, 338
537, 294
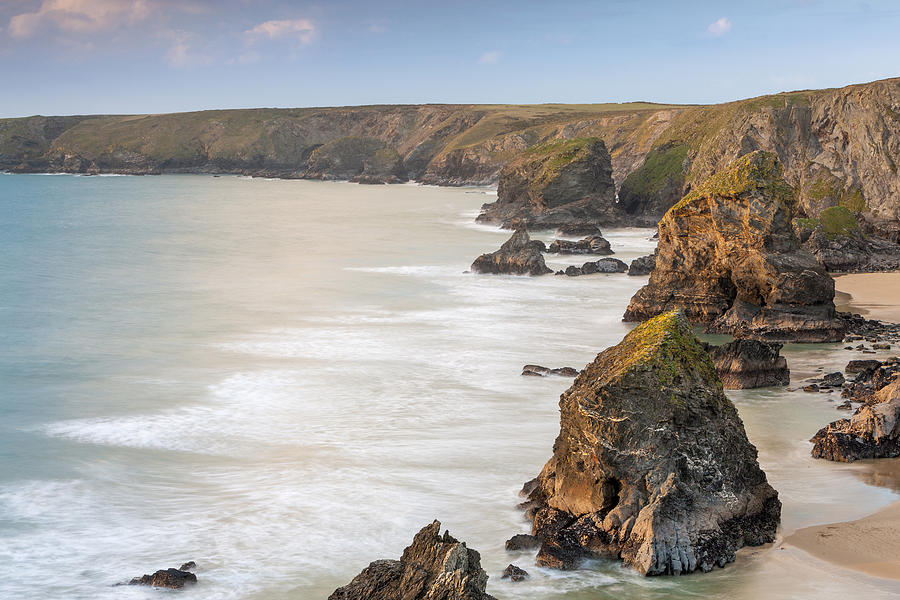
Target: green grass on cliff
663, 163
835, 221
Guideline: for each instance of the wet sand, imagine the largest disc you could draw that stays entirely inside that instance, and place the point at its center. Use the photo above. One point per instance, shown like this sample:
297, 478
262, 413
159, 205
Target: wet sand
871, 544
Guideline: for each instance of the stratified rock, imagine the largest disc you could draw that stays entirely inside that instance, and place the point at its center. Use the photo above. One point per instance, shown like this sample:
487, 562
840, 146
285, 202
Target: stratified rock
522, 541
872, 432
514, 573
558, 184
593, 244
745, 364
519, 255
642, 265
604, 265
433, 567
168, 578
729, 258
652, 464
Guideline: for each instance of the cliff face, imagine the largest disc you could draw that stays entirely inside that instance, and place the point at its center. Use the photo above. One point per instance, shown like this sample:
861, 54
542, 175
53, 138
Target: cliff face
557, 184
652, 464
837, 146
729, 258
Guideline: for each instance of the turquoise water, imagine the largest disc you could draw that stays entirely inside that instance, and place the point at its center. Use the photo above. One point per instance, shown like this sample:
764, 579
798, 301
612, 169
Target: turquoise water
284, 380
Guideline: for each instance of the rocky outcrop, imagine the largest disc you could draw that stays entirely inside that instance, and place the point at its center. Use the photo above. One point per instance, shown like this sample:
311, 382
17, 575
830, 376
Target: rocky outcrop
522, 541
557, 184
728, 257
358, 159
604, 265
872, 432
539, 371
642, 265
514, 573
519, 255
433, 567
168, 578
750, 364
652, 464
593, 244
839, 244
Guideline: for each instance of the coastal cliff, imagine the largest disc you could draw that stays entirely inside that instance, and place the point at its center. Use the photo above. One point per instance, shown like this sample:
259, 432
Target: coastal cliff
839, 147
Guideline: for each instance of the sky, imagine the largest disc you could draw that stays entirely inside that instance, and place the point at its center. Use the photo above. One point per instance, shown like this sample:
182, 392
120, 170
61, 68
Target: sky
60, 57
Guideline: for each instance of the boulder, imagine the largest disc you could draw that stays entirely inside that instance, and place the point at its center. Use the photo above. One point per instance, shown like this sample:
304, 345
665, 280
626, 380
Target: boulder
833, 379
522, 541
857, 366
652, 464
872, 432
167, 578
433, 567
604, 265
579, 229
519, 255
642, 265
538, 370
564, 184
514, 573
593, 244
729, 258
750, 364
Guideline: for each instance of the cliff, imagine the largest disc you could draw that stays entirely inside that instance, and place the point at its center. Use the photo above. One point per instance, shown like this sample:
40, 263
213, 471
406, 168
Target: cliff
838, 146
729, 258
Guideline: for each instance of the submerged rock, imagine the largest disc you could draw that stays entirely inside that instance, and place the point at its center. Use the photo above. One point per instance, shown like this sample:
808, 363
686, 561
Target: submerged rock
579, 229
539, 371
593, 244
519, 255
745, 364
522, 541
564, 184
729, 258
604, 265
872, 432
433, 567
514, 573
652, 464
168, 578
857, 366
642, 265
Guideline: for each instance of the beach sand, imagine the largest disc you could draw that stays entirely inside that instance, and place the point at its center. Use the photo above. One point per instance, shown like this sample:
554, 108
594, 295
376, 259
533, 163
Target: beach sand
871, 544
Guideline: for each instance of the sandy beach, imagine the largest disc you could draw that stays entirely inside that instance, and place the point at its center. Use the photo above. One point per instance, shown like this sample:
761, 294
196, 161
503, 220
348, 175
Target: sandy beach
872, 544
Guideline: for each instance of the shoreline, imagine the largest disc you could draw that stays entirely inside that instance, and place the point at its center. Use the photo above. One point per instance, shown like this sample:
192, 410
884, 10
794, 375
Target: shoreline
871, 544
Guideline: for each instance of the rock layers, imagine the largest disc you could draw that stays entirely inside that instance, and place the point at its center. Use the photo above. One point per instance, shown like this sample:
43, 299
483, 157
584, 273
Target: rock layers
729, 258
750, 364
433, 567
872, 432
557, 184
519, 255
652, 464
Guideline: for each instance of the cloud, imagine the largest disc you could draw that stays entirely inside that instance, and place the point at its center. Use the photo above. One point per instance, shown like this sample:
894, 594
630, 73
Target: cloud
302, 30
489, 58
719, 27
80, 16
181, 53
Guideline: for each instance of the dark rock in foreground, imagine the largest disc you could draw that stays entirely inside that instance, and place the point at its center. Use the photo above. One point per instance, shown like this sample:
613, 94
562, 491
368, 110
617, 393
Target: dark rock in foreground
652, 464
642, 265
539, 371
729, 258
579, 229
872, 432
745, 364
433, 567
604, 265
514, 573
168, 578
593, 244
519, 255
857, 366
522, 541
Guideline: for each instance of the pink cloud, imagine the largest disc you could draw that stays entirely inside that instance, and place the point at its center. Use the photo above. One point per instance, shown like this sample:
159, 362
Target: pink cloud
80, 16
300, 29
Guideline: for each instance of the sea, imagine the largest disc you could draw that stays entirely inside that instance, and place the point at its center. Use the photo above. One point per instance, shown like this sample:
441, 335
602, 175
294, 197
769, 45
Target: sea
285, 380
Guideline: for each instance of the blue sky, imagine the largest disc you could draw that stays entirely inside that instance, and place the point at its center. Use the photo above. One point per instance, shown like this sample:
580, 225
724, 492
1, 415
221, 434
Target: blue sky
140, 56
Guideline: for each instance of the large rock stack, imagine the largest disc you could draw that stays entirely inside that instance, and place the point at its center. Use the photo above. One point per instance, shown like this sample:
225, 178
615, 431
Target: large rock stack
652, 464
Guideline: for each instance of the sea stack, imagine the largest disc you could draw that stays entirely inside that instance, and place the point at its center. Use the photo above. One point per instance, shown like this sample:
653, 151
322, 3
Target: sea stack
564, 184
652, 464
872, 432
519, 255
433, 567
728, 257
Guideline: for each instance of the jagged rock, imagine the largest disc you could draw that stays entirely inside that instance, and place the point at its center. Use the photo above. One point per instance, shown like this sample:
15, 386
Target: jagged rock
838, 242
433, 567
604, 265
522, 541
519, 255
856, 366
557, 184
872, 432
538, 370
514, 573
652, 464
750, 364
593, 244
845, 405
833, 379
729, 258
642, 265
168, 578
